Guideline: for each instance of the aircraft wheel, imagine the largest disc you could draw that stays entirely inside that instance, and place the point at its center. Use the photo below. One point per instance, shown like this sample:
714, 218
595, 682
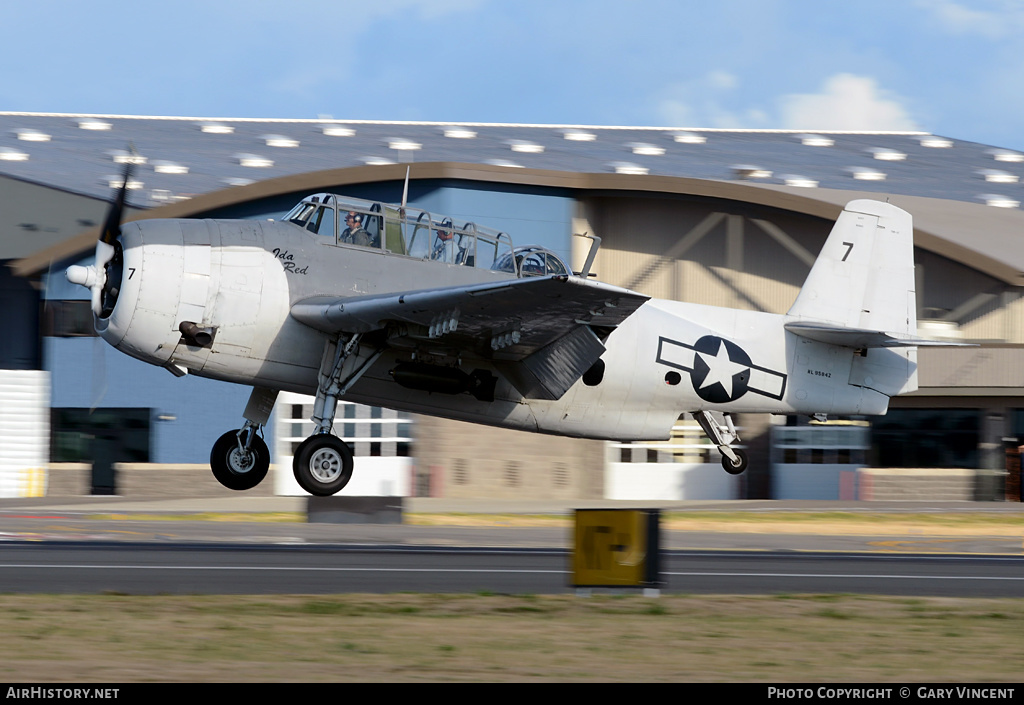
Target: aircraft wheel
322, 465
739, 466
235, 468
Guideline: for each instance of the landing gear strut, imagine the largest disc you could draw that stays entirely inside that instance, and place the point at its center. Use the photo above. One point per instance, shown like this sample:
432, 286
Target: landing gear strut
322, 463
723, 435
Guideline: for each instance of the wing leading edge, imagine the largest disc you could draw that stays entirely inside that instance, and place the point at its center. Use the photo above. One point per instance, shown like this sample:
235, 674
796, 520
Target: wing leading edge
542, 332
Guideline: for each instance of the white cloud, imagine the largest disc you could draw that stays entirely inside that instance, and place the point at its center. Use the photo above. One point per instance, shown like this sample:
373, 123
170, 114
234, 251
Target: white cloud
1003, 17
722, 80
702, 101
846, 102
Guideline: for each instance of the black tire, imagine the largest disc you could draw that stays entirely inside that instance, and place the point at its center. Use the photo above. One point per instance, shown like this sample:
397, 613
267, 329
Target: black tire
322, 465
237, 470
739, 466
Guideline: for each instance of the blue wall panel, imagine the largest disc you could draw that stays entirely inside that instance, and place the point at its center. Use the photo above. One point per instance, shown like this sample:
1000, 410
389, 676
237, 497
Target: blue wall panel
86, 372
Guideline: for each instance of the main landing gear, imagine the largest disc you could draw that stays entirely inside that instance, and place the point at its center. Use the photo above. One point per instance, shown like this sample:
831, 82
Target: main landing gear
723, 435
322, 463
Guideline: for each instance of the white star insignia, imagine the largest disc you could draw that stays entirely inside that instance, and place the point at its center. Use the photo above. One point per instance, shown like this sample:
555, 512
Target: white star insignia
720, 369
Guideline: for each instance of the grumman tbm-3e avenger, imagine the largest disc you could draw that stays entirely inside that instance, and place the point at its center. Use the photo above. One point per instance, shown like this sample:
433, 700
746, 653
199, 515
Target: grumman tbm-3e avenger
390, 306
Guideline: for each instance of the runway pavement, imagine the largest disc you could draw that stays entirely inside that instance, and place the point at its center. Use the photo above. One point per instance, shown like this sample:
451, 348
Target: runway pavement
241, 519
240, 544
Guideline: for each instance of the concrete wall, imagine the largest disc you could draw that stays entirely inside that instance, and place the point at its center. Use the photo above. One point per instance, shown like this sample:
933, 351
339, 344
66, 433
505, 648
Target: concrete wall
466, 460
918, 484
147, 480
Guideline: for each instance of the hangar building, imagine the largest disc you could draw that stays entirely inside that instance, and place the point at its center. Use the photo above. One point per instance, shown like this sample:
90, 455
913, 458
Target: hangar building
723, 217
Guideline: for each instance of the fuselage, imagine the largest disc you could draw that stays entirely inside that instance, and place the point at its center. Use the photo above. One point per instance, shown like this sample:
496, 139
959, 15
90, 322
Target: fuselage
239, 280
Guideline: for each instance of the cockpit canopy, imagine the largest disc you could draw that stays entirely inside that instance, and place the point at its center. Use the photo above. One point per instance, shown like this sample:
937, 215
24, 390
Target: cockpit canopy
531, 261
416, 233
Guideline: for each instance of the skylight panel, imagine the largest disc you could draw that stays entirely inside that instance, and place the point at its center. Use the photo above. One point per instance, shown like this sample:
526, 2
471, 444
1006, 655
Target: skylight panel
254, 160
216, 128
749, 171
122, 156
337, 131
93, 124
579, 136
376, 161
280, 141
1006, 155
403, 144
525, 146
998, 176
816, 140
798, 181
887, 154
628, 168
10, 154
863, 173
30, 135
998, 201
689, 137
646, 149
935, 142
164, 196
115, 181
237, 181
459, 133
166, 167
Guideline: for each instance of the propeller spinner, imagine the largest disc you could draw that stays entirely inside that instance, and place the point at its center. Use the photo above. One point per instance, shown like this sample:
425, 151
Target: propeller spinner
103, 278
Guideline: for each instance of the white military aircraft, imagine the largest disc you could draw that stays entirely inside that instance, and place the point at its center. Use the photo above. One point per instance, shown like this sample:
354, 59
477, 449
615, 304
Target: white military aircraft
390, 306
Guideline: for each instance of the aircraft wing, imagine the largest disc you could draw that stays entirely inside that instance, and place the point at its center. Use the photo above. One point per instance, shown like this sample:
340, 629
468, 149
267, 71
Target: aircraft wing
542, 332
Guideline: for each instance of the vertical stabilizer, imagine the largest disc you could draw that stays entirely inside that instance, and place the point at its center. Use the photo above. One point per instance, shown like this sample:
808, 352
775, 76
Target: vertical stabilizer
864, 276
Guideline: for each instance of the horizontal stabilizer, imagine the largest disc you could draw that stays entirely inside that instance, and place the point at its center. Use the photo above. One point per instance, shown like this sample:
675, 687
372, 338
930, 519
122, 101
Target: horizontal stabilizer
861, 338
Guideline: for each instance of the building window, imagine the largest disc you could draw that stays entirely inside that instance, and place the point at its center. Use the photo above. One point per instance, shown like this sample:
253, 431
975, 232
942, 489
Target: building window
460, 475
835, 443
926, 438
73, 433
512, 474
560, 475
369, 431
68, 319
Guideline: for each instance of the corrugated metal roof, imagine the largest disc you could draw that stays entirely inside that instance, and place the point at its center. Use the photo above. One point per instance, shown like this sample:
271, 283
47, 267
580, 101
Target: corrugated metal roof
79, 157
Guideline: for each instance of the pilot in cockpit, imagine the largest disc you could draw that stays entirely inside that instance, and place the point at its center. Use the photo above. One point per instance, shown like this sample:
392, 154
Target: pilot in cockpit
354, 233
444, 247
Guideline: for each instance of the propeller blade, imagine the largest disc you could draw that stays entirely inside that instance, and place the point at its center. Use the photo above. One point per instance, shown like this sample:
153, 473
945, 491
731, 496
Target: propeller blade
94, 276
112, 225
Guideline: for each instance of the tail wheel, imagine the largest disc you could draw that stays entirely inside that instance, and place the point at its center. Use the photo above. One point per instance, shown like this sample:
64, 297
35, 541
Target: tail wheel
735, 468
237, 468
322, 465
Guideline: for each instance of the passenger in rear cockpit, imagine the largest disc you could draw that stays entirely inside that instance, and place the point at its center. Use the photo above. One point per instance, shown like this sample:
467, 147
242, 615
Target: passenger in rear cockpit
354, 233
444, 247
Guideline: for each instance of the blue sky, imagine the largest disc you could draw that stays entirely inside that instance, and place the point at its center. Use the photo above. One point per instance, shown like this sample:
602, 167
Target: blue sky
952, 67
